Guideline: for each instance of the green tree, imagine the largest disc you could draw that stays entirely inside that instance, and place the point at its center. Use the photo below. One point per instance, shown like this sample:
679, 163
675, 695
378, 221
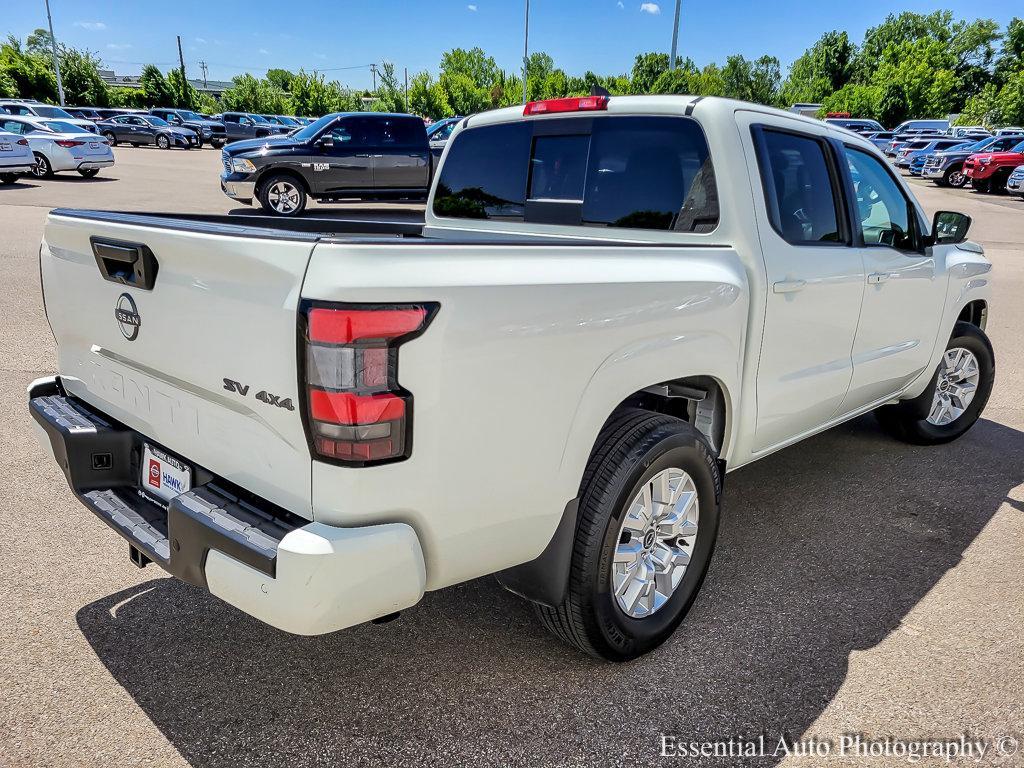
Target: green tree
1011, 55
390, 93
8, 88
81, 78
280, 79
310, 95
183, 94
32, 74
427, 98
464, 95
647, 68
40, 43
154, 86
475, 65
823, 68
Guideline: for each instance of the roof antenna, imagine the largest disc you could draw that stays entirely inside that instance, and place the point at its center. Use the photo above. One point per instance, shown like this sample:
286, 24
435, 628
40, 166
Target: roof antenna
597, 90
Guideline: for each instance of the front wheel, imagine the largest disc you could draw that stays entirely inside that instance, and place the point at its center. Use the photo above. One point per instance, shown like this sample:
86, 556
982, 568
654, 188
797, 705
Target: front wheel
647, 524
282, 195
981, 185
954, 398
955, 177
163, 142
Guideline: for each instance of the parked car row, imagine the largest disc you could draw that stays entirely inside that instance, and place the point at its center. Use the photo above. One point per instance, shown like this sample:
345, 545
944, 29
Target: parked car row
43, 147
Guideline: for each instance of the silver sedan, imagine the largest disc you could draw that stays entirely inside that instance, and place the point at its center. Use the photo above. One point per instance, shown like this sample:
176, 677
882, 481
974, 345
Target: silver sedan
59, 146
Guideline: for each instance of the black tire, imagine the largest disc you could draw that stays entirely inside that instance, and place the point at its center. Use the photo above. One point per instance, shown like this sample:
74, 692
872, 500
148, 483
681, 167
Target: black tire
199, 143
88, 173
111, 138
631, 449
981, 185
908, 420
42, 169
954, 177
217, 144
266, 194
8, 178
163, 142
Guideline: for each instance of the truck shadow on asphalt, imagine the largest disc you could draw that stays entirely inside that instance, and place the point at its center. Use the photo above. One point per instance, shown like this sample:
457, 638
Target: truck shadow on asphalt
824, 549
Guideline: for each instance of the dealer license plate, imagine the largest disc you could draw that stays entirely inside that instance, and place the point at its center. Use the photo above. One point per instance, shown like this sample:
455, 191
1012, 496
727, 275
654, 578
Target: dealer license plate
164, 476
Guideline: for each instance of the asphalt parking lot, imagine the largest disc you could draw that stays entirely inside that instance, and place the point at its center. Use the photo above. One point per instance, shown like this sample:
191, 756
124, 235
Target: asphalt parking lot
860, 586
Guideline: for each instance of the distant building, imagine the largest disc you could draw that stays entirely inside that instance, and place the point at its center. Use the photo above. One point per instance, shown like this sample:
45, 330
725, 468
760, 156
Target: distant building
213, 87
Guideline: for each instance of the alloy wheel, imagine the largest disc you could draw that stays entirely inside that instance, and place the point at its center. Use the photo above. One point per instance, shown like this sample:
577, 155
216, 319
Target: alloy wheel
655, 543
957, 178
955, 386
41, 168
283, 197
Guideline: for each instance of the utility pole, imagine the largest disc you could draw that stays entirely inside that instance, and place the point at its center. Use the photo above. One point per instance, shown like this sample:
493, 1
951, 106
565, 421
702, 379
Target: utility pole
675, 38
184, 82
203, 67
406, 89
56, 58
526, 49
373, 69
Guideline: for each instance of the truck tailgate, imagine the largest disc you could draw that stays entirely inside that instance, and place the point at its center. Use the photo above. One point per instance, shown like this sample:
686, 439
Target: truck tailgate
204, 362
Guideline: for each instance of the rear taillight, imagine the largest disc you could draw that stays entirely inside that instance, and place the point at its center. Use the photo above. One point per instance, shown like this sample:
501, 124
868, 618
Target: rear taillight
570, 104
22, 142
68, 143
356, 411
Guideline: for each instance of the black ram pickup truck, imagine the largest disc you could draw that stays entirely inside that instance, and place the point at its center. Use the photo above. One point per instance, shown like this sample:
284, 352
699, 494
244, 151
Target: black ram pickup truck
342, 156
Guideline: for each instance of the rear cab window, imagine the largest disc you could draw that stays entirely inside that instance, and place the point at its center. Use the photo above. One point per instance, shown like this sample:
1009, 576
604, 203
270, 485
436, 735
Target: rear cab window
623, 171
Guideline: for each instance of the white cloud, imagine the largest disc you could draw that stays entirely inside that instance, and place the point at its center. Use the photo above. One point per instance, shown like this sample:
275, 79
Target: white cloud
652, 8
201, 40
472, 8
95, 26
119, 46
264, 51
619, 4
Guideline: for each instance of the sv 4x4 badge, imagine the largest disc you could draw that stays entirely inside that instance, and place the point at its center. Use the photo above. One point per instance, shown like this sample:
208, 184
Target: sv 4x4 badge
263, 396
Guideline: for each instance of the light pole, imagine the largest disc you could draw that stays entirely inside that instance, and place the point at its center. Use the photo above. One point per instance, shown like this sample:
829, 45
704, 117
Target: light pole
675, 38
526, 48
56, 59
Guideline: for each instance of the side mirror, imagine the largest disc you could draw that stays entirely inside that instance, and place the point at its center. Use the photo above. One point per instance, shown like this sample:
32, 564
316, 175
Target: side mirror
949, 228
326, 141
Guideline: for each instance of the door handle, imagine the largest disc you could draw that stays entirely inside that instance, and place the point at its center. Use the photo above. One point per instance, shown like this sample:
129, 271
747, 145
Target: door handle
364, 155
878, 277
789, 286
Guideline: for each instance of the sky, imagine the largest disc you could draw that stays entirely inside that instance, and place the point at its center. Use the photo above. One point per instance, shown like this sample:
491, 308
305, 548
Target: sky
341, 37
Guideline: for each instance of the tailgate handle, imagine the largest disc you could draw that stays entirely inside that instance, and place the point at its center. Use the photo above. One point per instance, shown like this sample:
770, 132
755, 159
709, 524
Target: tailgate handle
126, 263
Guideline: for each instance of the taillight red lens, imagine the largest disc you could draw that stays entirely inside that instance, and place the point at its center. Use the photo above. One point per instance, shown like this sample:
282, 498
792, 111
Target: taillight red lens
22, 142
357, 412
68, 143
570, 104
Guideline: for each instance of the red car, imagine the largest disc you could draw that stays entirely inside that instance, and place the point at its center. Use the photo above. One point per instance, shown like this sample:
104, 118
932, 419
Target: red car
988, 171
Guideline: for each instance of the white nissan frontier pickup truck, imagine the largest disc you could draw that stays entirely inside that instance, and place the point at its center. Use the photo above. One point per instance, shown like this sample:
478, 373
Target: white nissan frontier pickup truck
612, 302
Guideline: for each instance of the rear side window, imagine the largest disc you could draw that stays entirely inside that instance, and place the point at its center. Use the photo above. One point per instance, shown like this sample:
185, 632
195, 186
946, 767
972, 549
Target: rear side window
628, 172
402, 132
800, 188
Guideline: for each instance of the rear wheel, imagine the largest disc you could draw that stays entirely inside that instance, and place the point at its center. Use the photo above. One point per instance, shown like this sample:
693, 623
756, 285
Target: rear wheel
282, 195
8, 178
163, 142
955, 397
111, 138
42, 169
955, 177
648, 520
89, 172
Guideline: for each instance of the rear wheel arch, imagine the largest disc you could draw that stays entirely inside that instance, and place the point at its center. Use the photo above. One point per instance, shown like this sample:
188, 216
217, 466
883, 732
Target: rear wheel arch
700, 400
